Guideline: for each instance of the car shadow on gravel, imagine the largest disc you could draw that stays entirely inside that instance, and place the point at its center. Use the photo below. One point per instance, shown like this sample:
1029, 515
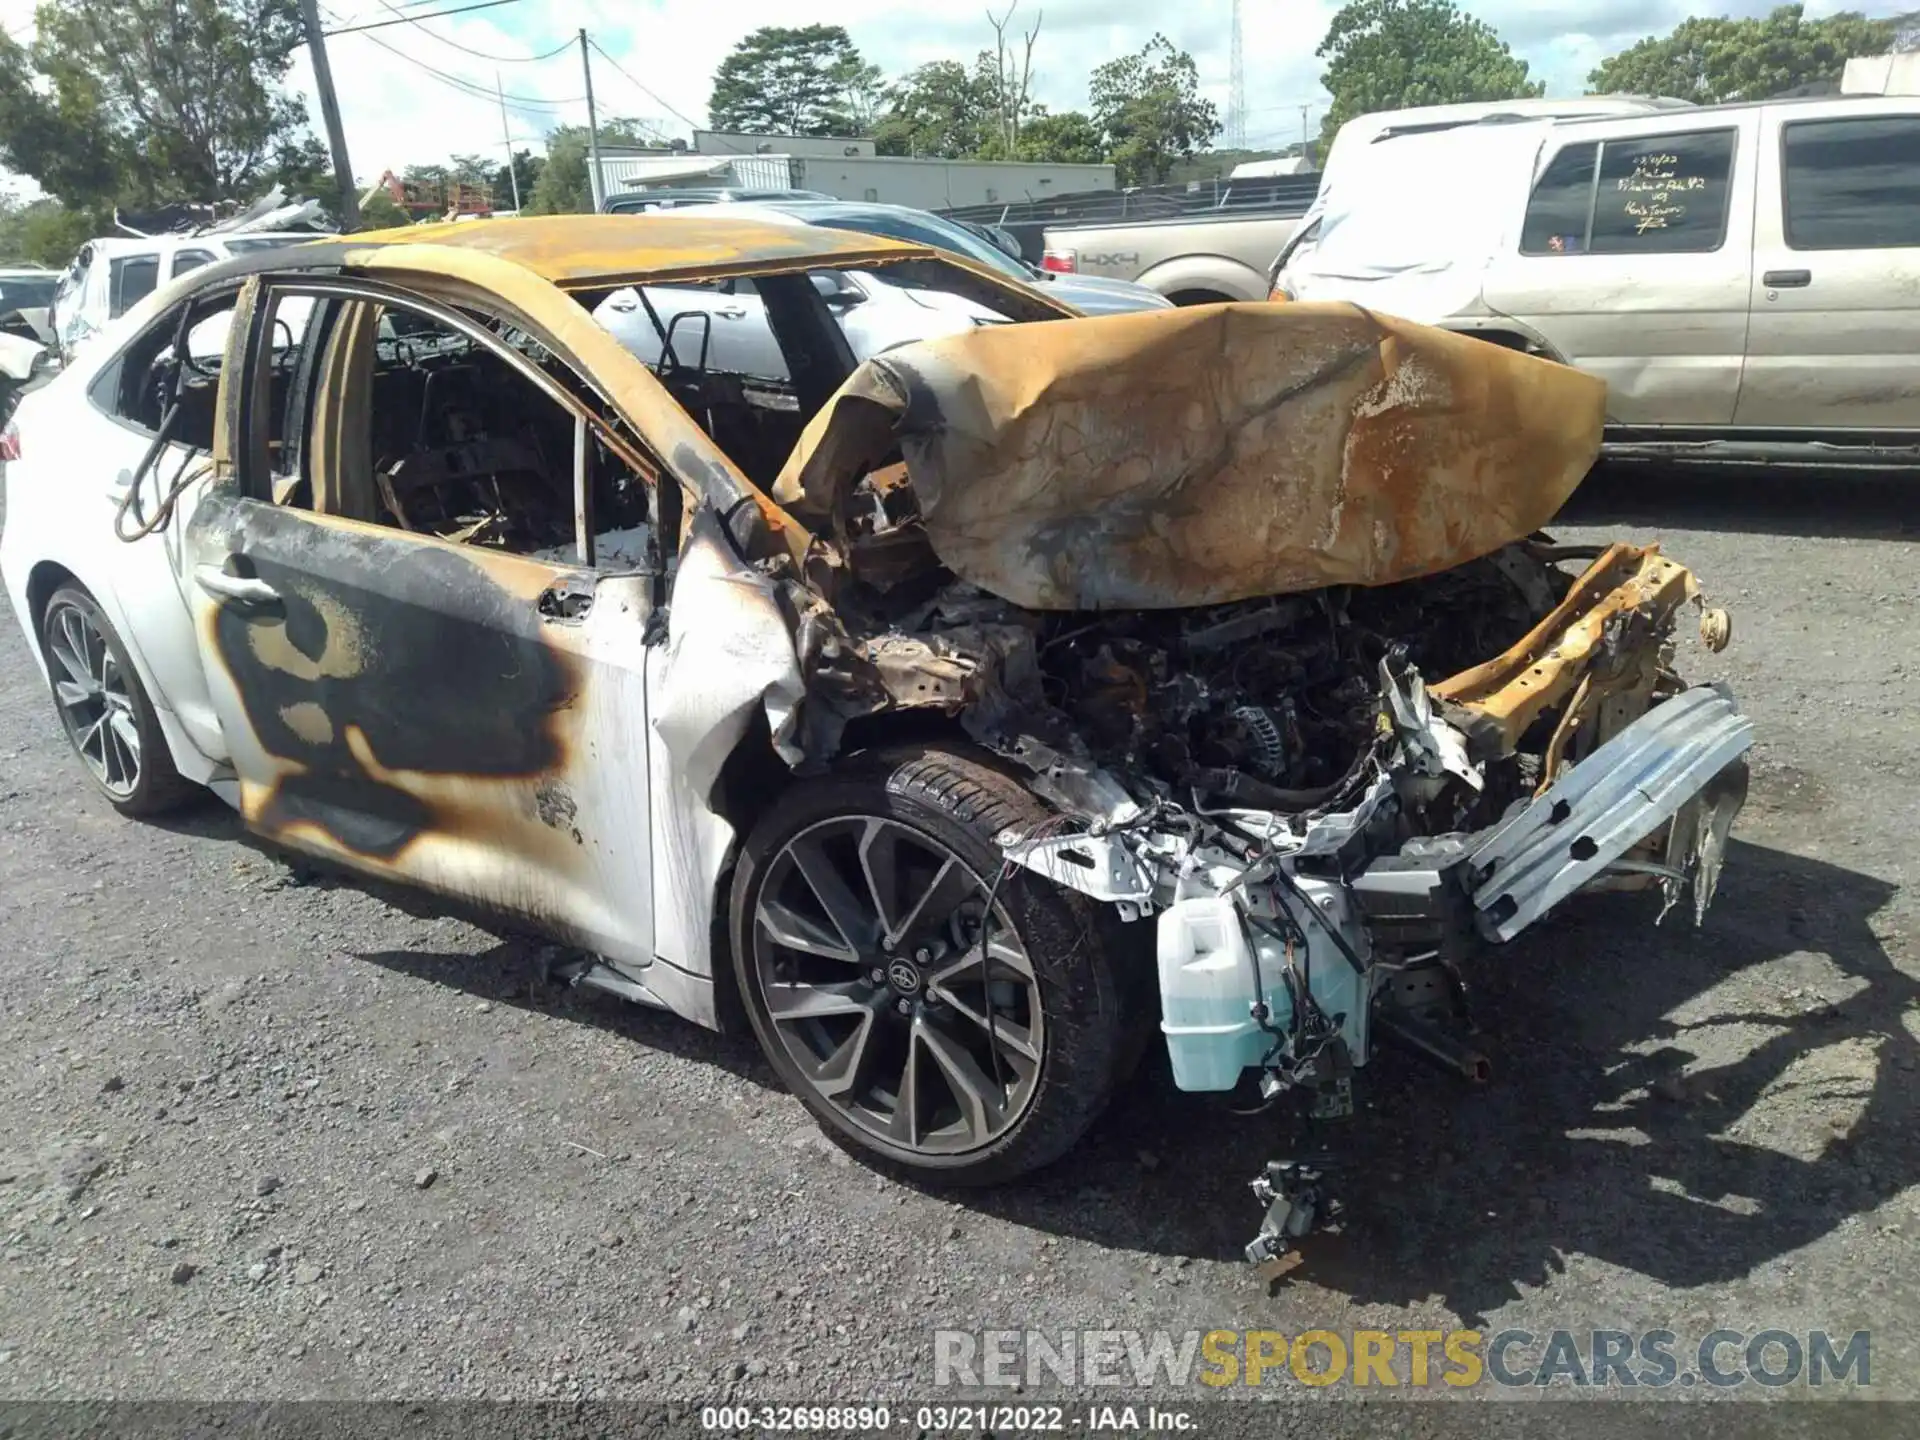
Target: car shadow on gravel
1621, 1123
516, 970
1839, 504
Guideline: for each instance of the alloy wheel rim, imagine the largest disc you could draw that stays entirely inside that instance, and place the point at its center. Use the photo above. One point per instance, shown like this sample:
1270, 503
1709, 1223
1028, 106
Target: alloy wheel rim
95, 704
868, 956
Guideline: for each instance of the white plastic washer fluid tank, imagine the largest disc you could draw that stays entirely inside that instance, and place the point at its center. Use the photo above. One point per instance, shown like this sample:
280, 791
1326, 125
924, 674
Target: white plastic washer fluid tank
1207, 991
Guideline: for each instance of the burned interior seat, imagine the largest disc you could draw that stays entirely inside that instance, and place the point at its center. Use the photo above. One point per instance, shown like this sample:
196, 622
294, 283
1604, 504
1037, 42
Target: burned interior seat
425, 431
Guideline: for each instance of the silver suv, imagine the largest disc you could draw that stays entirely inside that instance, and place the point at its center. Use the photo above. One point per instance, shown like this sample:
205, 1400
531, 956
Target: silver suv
1745, 278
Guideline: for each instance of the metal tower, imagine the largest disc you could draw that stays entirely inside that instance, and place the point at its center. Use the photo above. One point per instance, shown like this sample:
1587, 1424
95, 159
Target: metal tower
1236, 88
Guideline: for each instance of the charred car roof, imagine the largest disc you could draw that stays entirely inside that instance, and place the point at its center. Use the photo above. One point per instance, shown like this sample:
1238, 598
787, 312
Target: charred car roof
583, 252
598, 252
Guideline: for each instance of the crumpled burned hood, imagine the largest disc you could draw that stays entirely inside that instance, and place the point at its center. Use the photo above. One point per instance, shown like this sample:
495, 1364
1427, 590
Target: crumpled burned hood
1203, 455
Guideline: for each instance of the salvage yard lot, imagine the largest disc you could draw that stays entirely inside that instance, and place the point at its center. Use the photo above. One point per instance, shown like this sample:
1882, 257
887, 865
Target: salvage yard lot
263, 1133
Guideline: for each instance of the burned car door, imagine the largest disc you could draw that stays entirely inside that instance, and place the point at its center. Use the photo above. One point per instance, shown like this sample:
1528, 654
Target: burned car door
418, 665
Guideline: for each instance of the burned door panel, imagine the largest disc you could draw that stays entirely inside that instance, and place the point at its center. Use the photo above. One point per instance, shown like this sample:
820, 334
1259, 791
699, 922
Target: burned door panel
404, 706
369, 664
450, 715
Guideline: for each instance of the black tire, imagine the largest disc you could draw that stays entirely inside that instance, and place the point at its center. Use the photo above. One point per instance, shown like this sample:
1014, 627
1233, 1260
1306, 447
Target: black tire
158, 786
960, 803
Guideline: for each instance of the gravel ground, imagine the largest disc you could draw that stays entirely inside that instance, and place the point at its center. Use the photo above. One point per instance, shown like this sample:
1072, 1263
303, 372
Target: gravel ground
266, 1134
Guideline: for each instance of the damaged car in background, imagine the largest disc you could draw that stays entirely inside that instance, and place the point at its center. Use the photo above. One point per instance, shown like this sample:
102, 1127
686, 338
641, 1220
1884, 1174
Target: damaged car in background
956, 719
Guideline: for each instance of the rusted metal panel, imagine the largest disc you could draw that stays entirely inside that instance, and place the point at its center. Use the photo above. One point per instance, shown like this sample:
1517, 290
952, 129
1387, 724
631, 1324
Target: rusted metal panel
572, 251
1594, 645
1192, 457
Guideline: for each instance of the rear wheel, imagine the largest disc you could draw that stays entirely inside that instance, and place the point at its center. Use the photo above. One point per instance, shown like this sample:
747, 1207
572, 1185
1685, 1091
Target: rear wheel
104, 709
957, 1027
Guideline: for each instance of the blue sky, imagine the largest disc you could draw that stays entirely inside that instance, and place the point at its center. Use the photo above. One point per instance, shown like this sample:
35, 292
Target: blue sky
396, 113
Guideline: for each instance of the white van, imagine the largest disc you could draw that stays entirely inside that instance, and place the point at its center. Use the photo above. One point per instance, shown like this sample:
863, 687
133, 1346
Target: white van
1745, 278
1354, 143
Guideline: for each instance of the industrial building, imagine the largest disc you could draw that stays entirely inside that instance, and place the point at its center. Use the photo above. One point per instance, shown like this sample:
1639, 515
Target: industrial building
846, 168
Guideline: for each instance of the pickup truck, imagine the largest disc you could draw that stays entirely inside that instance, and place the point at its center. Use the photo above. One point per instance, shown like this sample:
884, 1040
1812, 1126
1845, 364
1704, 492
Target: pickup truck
1192, 260
1194, 243
1745, 278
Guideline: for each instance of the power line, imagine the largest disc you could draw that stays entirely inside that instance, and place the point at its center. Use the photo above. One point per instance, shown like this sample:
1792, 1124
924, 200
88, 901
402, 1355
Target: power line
690, 124
414, 19
479, 54
474, 87
547, 116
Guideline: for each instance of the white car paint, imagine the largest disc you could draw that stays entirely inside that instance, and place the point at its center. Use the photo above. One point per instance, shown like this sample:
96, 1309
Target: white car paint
76, 459
724, 326
77, 463
1350, 173
18, 355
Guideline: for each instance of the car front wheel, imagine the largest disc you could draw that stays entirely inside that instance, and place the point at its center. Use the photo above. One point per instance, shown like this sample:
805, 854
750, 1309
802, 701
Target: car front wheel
957, 1022
104, 708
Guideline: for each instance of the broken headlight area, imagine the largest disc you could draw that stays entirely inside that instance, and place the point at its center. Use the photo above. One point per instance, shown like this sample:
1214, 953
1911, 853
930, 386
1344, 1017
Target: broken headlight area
1325, 802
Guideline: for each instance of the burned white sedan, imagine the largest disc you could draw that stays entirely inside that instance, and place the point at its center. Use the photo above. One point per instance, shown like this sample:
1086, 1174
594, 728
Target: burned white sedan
959, 719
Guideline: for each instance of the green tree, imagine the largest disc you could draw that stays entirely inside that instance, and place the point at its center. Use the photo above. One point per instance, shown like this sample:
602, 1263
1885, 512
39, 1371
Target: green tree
378, 212
939, 110
1711, 59
787, 80
1391, 54
863, 97
302, 166
563, 187
42, 232
1069, 138
433, 174
1149, 110
52, 128
472, 169
526, 169
145, 101
1007, 76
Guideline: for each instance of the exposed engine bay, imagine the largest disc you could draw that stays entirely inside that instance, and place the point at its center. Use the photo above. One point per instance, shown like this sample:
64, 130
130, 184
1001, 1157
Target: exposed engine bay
1323, 796
1319, 834
1271, 703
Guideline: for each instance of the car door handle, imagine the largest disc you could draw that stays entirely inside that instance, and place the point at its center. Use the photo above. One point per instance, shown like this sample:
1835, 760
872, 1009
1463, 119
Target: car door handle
732, 312
1787, 279
244, 588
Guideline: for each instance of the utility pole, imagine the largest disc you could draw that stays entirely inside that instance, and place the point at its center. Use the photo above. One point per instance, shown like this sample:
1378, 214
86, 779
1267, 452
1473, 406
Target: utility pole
330, 112
1306, 145
1236, 86
506, 138
593, 126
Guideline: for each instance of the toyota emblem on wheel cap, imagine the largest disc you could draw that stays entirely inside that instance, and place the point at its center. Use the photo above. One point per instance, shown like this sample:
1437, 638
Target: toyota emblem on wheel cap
904, 976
